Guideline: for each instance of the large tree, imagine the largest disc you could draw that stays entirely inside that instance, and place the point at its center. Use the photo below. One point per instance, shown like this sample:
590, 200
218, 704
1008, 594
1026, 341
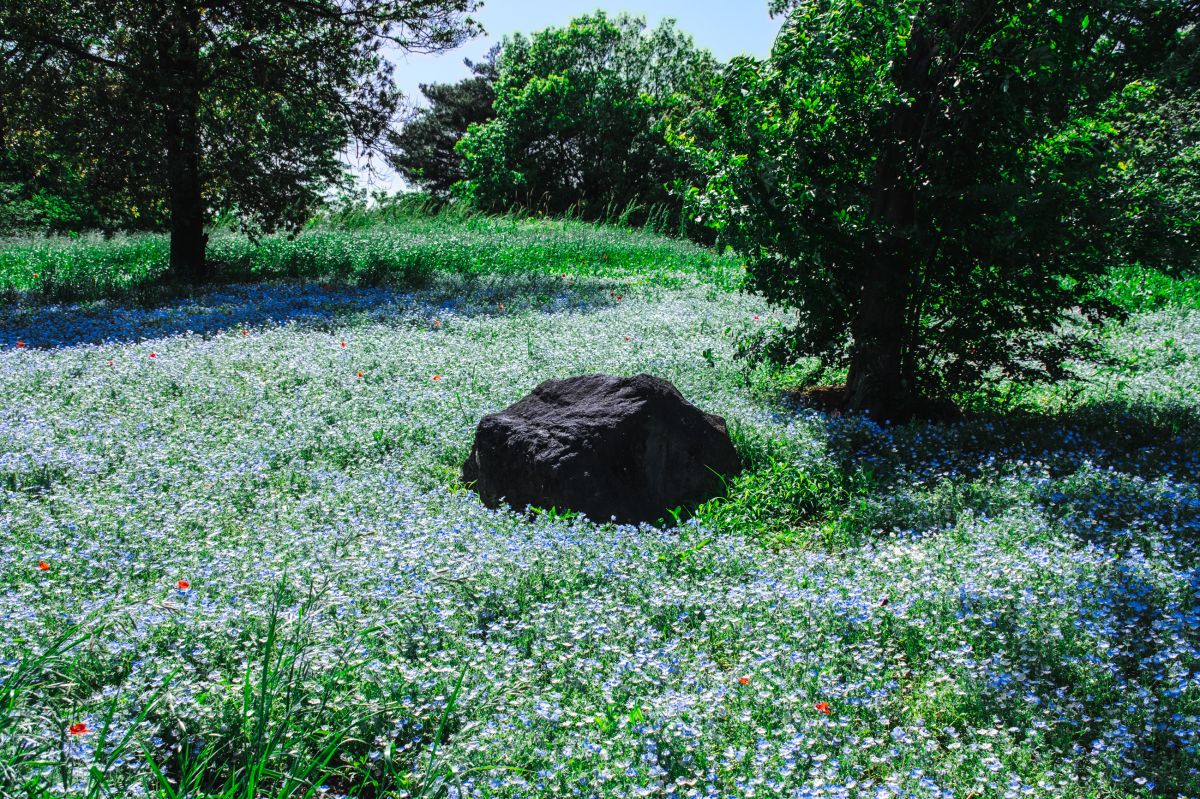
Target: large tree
243, 105
580, 118
934, 186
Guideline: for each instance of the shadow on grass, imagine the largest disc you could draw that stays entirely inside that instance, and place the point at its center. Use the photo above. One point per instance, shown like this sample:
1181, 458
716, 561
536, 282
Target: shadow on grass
1142, 438
175, 310
1121, 477
1104, 470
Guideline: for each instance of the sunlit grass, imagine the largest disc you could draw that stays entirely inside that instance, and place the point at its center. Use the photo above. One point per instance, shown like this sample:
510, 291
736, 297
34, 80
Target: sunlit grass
406, 250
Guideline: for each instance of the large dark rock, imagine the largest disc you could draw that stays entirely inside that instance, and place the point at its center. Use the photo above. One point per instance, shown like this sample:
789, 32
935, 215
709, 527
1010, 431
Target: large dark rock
629, 448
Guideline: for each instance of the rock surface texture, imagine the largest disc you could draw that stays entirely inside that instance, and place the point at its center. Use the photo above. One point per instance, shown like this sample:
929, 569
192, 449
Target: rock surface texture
629, 448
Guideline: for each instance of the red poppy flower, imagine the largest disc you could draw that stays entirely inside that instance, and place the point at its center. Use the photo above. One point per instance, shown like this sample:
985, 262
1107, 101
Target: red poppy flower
437, 377
343, 345
437, 323
79, 728
154, 355
245, 332
360, 374
183, 585
823, 707
110, 363
20, 345
744, 680
627, 338
43, 565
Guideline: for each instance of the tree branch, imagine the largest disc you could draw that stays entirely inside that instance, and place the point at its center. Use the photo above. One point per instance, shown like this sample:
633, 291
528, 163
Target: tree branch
72, 49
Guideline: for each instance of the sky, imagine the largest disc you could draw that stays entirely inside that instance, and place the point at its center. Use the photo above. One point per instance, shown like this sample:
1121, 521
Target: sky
726, 27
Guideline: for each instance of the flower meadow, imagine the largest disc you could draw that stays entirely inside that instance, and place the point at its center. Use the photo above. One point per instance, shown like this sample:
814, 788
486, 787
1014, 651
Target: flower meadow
236, 561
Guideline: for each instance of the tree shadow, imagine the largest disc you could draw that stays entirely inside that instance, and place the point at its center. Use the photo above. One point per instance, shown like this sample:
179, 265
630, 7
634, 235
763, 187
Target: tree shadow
1141, 438
219, 308
1108, 472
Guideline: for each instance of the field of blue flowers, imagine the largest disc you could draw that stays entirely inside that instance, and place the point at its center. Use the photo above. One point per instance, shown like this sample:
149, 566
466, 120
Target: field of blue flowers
235, 561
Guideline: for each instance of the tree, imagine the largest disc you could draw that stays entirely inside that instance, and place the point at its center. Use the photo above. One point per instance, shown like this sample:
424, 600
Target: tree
425, 147
235, 104
62, 171
580, 118
935, 186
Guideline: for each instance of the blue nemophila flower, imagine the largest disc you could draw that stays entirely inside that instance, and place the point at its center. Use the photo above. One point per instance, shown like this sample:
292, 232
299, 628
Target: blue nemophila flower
1041, 583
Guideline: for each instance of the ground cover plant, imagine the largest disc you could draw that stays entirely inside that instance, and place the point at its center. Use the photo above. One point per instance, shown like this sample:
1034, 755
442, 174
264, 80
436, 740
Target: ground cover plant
235, 559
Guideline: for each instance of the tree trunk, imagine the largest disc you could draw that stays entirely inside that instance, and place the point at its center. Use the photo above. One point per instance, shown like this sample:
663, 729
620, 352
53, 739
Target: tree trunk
877, 384
880, 383
179, 60
188, 240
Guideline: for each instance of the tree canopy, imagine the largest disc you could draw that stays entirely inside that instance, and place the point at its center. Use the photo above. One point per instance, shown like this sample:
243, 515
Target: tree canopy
934, 187
216, 104
64, 163
580, 117
425, 148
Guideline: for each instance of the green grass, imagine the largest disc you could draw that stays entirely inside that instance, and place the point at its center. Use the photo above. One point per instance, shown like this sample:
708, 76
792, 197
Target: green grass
408, 249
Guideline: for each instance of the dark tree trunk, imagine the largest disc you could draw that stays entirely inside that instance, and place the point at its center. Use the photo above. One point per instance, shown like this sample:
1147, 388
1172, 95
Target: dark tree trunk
179, 58
880, 383
188, 240
877, 384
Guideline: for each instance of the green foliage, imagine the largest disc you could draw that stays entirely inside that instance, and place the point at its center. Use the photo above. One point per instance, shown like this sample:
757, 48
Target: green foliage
781, 503
934, 187
24, 208
1137, 289
1161, 175
580, 115
85, 267
59, 169
426, 154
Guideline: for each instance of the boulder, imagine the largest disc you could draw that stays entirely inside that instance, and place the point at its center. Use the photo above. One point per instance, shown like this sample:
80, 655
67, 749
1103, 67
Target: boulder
628, 448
